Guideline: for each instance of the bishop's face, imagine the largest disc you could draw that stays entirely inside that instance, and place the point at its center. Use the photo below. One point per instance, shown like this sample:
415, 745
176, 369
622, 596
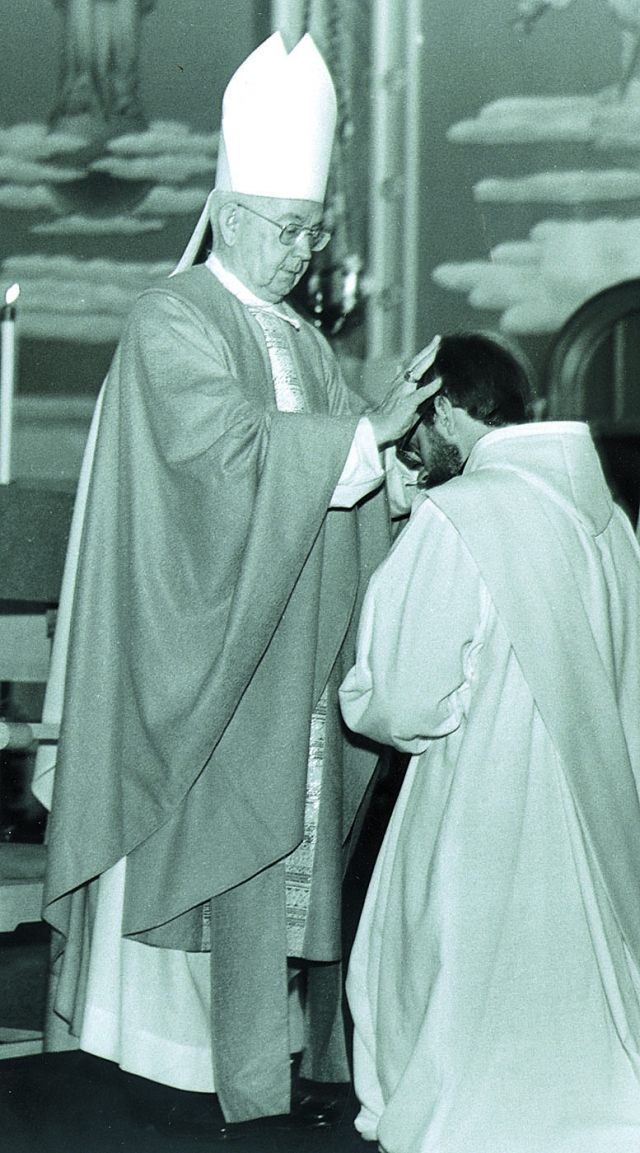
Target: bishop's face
259, 258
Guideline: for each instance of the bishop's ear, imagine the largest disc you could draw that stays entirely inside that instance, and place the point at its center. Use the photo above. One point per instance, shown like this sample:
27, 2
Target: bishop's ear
228, 222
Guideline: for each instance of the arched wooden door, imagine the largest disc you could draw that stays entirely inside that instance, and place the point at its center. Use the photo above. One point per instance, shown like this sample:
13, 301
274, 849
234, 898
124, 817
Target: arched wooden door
594, 375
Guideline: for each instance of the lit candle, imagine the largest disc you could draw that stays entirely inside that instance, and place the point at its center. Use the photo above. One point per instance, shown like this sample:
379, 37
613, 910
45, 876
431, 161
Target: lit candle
7, 378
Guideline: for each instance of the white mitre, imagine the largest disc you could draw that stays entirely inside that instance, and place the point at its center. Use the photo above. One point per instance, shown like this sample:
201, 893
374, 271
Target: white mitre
279, 115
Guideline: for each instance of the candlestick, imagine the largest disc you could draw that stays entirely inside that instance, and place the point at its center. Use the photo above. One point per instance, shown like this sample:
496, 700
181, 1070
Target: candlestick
7, 378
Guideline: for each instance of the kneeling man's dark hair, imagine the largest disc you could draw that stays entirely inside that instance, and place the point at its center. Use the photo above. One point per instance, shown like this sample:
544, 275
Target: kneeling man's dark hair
481, 376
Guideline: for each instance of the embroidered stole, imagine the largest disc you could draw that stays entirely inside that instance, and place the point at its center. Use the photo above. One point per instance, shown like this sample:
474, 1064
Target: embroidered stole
299, 864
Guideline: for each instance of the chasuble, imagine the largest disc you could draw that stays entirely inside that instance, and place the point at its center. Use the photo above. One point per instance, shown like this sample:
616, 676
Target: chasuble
213, 617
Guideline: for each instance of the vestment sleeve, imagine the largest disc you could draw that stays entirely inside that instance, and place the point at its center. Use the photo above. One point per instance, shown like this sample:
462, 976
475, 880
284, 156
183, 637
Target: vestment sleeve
362, 472
418, 638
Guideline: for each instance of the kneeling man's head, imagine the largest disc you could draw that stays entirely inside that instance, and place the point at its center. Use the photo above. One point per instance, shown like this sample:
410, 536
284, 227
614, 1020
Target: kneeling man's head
484, 386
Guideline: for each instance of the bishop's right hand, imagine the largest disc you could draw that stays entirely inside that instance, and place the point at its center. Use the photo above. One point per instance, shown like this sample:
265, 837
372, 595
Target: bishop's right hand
397, 412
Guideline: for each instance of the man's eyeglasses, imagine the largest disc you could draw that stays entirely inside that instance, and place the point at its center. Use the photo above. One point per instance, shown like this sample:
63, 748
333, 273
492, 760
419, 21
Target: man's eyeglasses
291, 233
408, 453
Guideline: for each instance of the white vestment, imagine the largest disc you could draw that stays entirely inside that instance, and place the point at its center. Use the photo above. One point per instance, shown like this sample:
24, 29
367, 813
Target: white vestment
495, 998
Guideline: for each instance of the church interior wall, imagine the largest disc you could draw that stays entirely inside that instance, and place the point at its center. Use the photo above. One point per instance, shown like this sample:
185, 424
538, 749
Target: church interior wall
489, 201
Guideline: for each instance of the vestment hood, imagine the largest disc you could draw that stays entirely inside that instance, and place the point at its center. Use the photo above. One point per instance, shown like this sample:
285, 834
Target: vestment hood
559, 457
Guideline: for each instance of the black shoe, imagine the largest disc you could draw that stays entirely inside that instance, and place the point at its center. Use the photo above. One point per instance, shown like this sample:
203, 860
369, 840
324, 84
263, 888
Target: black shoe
162, 1109
315, 1111
176, 1122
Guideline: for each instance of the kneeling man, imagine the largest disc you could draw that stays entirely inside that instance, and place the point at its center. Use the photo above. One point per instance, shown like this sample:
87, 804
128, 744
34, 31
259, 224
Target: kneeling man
495, 975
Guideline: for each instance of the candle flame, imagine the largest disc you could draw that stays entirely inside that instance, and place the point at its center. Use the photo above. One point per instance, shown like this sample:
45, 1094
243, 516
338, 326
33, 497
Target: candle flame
12, 294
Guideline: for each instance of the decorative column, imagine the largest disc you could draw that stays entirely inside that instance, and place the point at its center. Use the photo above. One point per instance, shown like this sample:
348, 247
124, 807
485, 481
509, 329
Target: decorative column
393, 59
394, 235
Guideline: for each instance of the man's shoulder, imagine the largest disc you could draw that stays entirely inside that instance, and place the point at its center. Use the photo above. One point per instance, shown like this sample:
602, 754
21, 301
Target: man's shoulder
472, 502
470, 488
196, 286
192, 297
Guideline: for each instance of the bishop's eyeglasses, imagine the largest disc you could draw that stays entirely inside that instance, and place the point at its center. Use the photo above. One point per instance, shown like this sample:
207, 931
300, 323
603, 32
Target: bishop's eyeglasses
318, 235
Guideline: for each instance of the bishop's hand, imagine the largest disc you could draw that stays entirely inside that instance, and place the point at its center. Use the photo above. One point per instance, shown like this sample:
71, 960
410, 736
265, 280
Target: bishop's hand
396, 413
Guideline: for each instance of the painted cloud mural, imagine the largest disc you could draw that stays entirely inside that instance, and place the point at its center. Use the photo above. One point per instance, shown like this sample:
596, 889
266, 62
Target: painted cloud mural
163, 171
535, 283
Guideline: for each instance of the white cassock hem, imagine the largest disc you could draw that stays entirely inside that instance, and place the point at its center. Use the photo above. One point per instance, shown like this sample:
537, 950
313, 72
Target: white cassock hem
147, 1009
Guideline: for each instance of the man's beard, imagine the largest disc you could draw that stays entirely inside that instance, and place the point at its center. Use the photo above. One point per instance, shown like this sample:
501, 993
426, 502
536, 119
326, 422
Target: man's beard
445, 462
